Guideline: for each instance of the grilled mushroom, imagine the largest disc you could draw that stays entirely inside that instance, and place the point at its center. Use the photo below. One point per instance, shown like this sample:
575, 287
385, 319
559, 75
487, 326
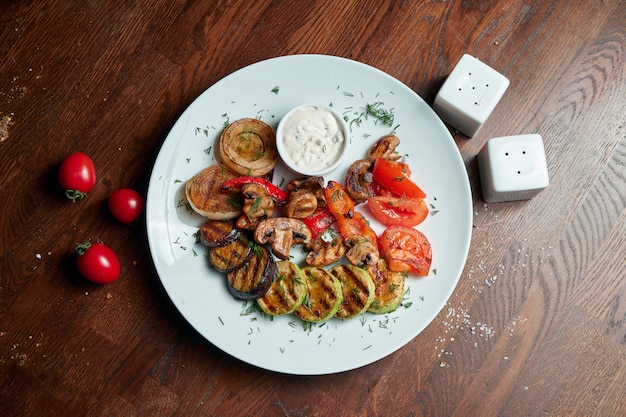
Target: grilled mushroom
324, 252
301, 204
257, 203
385, 147
314, 184
282, 233
361, 251
359, 180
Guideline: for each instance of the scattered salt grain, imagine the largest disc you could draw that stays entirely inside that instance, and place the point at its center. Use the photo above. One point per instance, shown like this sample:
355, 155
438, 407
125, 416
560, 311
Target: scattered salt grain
458, 320
514, 324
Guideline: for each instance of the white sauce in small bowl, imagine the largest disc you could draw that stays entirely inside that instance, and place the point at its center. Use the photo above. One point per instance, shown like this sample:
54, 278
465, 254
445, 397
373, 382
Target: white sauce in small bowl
312, 139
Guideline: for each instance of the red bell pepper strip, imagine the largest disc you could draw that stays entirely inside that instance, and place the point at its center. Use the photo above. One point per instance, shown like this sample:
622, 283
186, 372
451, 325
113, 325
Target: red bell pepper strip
236, 184
319, 221
349, 221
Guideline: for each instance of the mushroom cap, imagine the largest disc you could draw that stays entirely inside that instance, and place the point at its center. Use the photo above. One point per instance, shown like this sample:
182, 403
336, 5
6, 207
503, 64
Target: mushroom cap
282, 233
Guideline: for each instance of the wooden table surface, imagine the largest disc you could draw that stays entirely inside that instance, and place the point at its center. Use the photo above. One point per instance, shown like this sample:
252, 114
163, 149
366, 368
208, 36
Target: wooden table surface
537, 323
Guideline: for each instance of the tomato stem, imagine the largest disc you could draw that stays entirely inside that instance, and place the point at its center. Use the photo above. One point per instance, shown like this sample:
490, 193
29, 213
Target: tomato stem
75, 195
81, 248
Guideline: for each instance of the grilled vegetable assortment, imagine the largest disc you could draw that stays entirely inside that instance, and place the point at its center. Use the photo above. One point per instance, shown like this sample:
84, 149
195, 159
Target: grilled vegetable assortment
252, 221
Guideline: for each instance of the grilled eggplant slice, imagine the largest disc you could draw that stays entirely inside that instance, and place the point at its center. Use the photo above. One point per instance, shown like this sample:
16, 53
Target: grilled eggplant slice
323, 297
232, 255
253, 279
218, 233
357, 287
390, 287
287, 292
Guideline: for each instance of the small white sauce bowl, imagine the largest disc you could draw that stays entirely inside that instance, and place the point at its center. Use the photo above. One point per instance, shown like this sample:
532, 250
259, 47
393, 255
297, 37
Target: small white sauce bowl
289, 142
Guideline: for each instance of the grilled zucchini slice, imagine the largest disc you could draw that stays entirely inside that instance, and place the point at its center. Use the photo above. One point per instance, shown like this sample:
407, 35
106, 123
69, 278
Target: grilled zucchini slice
357, 287
287, 292
390, 287
253, 279
323, 297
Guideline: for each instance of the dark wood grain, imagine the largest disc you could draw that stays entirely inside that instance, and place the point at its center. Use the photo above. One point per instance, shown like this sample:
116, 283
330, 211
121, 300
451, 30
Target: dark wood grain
537, 323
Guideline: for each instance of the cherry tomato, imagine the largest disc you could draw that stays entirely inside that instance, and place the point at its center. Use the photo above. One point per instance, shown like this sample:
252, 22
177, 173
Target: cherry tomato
97, 262
398, 211
406, 250
380, 190
77, 176
395, 177
126, 205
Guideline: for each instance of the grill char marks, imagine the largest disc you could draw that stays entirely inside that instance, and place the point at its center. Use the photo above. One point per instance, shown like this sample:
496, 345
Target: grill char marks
390, 288
218, 233
357, 287
232, 255
287, 292
324, 295
254, 278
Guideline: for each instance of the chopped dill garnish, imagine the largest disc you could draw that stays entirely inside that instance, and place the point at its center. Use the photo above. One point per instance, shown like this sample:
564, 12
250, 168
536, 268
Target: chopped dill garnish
385, 117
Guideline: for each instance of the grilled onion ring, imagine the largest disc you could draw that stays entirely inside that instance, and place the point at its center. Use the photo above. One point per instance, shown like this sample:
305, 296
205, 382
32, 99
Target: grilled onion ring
248, 147
204, 193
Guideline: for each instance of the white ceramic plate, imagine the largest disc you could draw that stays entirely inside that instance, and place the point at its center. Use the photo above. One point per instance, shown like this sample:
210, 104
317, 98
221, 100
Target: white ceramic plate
267, 90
